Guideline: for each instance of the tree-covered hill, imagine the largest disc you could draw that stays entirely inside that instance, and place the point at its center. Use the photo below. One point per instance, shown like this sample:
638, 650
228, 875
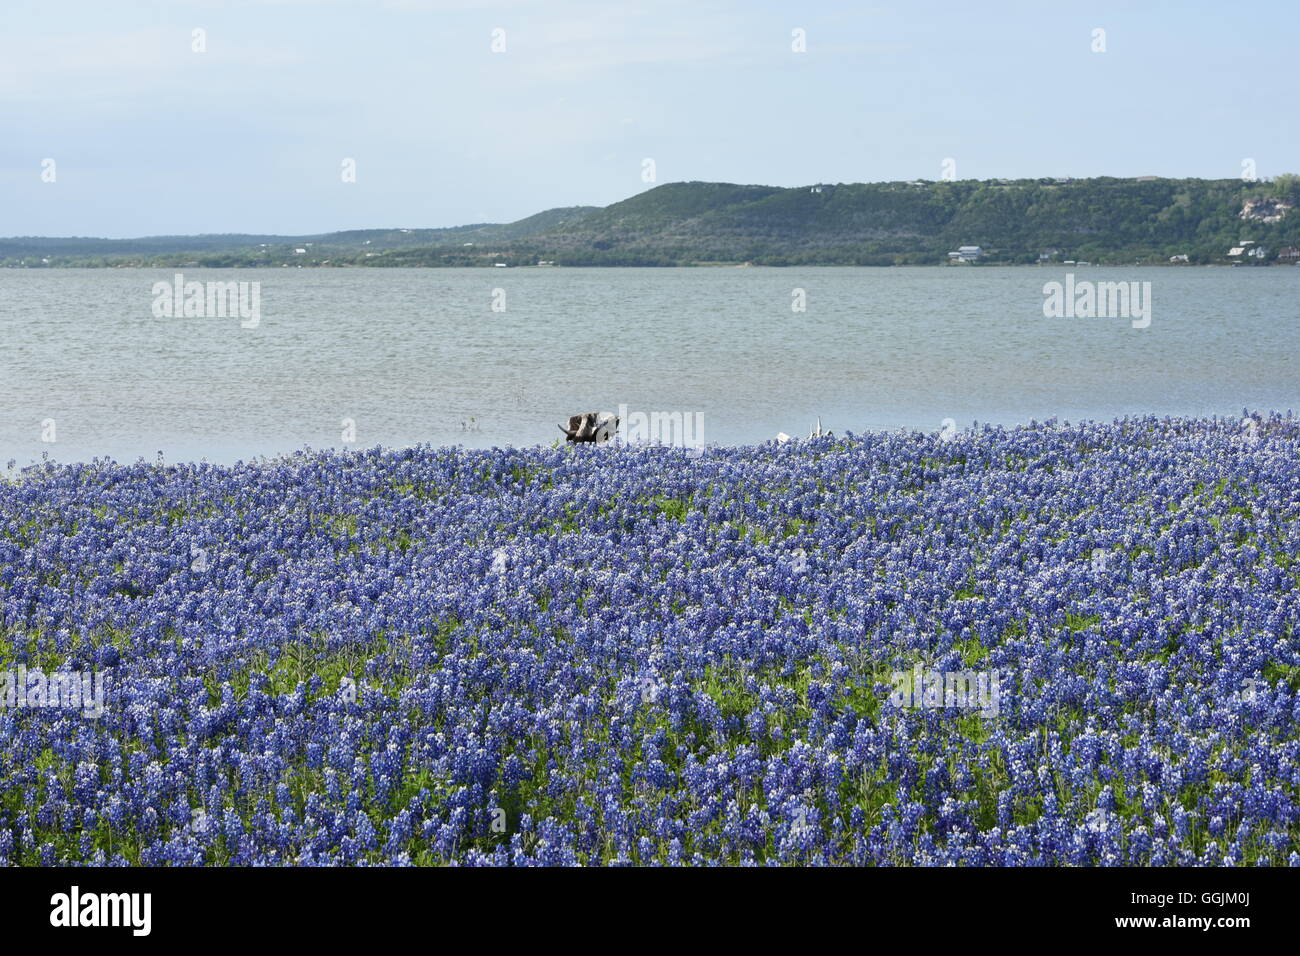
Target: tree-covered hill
1013, 221
885, 223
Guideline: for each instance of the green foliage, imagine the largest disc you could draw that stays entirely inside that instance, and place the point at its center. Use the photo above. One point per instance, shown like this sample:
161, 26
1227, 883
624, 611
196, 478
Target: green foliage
1104, 219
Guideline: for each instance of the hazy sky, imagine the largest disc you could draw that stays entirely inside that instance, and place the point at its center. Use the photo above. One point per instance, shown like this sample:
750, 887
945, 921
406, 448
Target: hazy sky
150, 137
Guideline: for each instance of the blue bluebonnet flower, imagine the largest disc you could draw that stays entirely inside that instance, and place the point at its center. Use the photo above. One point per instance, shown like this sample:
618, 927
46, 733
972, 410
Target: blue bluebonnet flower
617, 656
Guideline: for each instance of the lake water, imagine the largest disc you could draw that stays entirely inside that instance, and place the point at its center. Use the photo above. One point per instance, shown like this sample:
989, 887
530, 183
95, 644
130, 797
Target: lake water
416, 355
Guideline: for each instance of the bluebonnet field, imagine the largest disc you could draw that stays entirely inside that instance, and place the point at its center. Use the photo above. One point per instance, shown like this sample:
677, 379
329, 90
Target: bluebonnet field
598, 655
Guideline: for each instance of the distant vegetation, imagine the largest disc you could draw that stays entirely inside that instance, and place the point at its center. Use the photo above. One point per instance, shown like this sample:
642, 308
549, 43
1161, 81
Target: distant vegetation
1014, 221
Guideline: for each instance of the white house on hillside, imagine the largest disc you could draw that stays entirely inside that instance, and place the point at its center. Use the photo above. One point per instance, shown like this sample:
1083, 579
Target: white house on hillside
1247, 248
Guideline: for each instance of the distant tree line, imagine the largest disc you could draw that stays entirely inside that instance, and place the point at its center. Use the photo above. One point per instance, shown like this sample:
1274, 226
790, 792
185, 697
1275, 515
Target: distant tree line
1104, 220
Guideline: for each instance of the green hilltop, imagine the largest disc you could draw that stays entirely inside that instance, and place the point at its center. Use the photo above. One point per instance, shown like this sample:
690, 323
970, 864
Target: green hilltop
1104, 219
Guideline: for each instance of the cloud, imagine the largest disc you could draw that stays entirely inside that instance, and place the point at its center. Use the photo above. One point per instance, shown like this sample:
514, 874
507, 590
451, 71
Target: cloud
122, 62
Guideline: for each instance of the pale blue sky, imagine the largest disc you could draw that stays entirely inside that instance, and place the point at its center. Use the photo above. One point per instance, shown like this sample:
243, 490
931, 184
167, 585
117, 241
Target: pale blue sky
151, 138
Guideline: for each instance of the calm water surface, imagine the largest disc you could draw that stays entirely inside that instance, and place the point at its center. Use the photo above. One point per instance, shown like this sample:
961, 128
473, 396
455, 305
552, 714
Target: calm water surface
417, 355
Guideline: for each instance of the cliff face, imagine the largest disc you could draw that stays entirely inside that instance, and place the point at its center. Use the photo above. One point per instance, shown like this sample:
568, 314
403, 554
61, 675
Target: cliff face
1265, 210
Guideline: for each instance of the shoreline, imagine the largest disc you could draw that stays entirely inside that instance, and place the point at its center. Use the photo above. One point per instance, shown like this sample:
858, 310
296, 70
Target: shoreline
690, 265
308, 452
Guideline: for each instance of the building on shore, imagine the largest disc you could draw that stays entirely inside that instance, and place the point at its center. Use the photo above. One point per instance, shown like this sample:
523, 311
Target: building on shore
965, 254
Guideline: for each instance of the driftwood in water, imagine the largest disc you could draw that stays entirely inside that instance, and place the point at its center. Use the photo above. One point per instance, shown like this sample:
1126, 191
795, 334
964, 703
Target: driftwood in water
817, 432
590, 427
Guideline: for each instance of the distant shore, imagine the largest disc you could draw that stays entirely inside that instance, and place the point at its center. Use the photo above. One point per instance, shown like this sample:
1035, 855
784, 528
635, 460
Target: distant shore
1145, 220
197, 264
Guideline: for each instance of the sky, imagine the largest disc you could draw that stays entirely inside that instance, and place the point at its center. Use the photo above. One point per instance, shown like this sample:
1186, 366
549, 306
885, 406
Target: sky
457, 112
